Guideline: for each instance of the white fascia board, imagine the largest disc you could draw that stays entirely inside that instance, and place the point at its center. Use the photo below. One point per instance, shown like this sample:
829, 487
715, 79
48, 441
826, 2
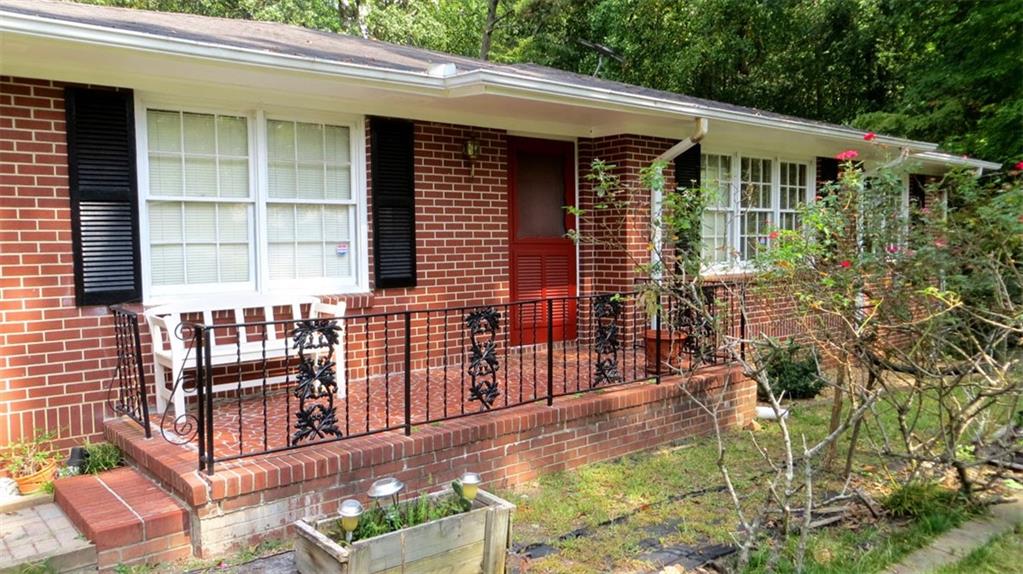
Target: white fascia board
16, 23
457, 85
952, 159
500, 82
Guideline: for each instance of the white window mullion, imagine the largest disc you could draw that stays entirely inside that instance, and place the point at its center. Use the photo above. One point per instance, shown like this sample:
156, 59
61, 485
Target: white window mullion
736, 190
775, 194
261, 171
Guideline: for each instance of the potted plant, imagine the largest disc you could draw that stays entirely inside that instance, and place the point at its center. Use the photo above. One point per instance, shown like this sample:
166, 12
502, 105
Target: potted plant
460, 529
31, 463
672, 343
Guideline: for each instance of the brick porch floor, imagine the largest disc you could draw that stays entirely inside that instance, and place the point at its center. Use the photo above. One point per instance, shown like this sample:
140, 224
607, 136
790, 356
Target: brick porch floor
254, 423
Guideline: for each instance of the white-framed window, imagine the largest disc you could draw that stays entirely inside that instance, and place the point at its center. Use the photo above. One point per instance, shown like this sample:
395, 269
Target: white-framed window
747, 204
250, 200
717, 236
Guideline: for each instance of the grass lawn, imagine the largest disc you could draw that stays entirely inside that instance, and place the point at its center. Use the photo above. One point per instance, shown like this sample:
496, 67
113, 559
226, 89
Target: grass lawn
1001, 555
642, 486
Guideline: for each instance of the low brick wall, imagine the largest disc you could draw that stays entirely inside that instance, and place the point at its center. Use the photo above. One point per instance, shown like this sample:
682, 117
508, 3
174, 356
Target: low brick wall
251, 499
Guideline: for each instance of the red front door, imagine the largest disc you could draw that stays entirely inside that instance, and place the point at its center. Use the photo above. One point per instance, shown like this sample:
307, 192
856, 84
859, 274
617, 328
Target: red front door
541, 182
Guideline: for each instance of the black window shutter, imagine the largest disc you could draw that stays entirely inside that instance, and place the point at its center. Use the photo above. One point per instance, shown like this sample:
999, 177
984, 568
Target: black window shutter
827, 171
687, 168
918, 190
687, 175
394, 208
104, 196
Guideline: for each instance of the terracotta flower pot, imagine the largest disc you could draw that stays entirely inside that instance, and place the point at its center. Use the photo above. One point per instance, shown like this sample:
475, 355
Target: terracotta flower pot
671, 352
35, 481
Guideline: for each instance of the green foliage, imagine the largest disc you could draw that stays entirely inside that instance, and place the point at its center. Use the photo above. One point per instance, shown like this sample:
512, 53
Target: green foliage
40, 567
134, 569
916, 499
792, 370
100, 457
27, 457
383, 519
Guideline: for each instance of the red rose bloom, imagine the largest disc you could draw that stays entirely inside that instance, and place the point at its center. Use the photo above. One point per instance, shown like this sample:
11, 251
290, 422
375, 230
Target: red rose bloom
845, 264
869, 136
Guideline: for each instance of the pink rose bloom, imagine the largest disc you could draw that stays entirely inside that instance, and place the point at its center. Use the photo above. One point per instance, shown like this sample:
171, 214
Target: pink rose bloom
892, 248
1019, 165
774, 235
848, 155
940, 243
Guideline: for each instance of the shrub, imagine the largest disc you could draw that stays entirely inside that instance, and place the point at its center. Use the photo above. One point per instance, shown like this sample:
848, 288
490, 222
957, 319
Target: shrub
100, 456
917, 498
792, 370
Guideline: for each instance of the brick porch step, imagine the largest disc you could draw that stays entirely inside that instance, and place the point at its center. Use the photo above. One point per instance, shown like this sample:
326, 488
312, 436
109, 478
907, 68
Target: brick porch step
127, 517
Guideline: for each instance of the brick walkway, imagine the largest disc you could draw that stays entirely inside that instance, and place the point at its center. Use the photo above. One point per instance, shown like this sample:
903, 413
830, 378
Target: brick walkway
253, 423
39, 533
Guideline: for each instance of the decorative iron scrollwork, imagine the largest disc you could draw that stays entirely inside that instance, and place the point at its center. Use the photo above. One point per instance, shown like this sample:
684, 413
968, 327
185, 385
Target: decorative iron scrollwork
316, 383
606, 310
483, 325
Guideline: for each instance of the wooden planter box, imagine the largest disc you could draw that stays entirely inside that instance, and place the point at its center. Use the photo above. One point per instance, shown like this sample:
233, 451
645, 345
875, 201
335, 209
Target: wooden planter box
474, 541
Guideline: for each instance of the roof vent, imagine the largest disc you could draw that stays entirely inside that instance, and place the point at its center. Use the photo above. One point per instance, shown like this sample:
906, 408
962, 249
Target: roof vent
442, 70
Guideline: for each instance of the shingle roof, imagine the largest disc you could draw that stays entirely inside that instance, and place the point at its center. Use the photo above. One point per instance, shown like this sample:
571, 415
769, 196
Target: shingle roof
286, 39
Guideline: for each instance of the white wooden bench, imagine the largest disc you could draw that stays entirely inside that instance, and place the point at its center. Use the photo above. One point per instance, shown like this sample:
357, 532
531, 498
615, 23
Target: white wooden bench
170, 353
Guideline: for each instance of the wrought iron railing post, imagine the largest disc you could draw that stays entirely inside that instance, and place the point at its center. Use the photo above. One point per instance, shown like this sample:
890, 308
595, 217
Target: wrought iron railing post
408, 373
140, 379
200, 394
657, 344
207, 355
742, 322
550, 352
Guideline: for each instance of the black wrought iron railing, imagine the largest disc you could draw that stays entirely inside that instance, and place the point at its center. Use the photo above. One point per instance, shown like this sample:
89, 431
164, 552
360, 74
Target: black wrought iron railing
127, 394
267, 386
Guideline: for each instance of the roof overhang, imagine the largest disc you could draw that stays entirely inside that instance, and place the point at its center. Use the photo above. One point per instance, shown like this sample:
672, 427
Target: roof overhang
78, 52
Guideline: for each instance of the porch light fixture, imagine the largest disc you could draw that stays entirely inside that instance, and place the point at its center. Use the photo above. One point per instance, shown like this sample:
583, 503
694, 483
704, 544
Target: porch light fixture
470, 485
386, 487
473, 149
350, 512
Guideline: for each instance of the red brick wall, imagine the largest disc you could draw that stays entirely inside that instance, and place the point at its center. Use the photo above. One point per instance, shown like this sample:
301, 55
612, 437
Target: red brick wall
54, 356
461, 221
610, 265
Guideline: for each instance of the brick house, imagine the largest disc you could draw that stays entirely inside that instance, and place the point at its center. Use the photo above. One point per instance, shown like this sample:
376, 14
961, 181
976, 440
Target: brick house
149, 159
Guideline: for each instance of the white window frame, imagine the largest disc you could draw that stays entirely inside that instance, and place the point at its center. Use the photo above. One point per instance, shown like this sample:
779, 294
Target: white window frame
736, 264
259, 273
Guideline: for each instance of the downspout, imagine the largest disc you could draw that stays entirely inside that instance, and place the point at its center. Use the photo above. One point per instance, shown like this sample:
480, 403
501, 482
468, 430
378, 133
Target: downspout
656, 198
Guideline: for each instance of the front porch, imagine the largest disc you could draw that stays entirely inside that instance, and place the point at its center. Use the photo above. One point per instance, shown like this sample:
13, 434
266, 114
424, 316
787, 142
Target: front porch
272, 384
511, 391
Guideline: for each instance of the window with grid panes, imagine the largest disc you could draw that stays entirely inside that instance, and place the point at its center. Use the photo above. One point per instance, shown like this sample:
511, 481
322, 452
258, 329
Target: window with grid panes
213, 225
